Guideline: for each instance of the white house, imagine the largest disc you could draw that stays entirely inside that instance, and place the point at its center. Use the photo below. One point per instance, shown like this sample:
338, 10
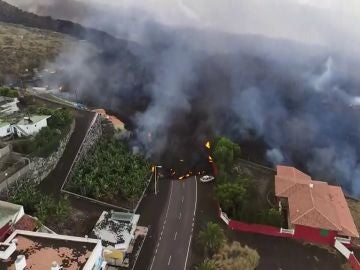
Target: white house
117, 233
5, 129
8, 105
30, 125
43, 251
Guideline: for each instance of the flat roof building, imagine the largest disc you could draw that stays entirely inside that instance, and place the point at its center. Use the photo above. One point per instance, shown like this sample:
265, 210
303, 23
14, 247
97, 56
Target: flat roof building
117, 233
42, 251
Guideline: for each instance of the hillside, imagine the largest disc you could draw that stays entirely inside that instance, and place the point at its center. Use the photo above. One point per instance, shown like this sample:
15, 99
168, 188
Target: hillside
22, 49
12, 14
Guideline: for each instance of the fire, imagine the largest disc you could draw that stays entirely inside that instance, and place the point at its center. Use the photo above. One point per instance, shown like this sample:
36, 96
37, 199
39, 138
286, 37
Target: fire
208, 145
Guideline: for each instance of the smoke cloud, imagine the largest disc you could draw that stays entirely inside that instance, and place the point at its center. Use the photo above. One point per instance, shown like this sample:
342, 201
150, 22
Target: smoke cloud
281, 71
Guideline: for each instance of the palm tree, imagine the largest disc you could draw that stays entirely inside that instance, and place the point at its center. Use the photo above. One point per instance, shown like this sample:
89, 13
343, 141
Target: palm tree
211, 238
236, 257
207, 264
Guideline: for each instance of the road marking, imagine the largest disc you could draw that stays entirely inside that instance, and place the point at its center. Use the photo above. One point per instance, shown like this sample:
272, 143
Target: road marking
183, 184
182, 199
187, 254
180, 216
169, 260
167, 212
175, 236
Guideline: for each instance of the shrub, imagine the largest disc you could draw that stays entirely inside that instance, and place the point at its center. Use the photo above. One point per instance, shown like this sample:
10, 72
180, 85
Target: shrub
41, 205
7, 92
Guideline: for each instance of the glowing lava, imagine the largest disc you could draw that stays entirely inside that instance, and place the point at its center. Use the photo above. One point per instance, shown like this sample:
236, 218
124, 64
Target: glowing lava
208, 145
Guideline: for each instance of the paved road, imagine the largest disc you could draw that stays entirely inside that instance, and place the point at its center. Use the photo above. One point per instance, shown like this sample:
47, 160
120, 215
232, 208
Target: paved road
176, 228
52, 183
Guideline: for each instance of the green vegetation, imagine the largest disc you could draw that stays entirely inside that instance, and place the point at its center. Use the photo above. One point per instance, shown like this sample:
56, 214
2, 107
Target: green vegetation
43, 206
225, 152
207, 264
110, 171
211, 238
221, 255
48, 139
8, 92
236, 257
24, 49
236, 193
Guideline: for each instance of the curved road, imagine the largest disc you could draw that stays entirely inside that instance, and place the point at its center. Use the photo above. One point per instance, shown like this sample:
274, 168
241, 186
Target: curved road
176, 227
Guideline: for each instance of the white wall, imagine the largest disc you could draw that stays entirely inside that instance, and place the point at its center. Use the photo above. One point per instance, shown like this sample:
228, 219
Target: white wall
5, 130
10, 108
32, 129
95, 258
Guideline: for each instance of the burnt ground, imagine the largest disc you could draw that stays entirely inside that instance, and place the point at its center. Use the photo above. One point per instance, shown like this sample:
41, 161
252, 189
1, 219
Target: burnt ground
275, 253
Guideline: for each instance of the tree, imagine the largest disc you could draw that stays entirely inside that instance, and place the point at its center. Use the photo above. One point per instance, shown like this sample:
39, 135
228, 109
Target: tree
232, 196
236, 257
211, 238
207, 264
224, 153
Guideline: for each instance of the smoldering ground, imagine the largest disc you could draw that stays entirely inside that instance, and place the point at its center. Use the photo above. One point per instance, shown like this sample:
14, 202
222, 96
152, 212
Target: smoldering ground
187, 84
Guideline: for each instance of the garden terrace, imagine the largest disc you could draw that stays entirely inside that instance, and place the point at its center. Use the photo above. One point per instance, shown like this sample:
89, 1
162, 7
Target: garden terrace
110, 173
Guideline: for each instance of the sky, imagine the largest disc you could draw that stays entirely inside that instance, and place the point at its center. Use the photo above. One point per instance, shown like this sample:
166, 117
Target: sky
326, 22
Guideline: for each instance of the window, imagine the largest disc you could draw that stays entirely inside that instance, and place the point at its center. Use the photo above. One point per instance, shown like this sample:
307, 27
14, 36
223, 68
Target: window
324, 232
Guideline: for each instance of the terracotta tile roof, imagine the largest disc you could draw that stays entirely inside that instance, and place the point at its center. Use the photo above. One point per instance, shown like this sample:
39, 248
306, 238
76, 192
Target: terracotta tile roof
100, 111
26, 223
117, 123
342, 208
314, 203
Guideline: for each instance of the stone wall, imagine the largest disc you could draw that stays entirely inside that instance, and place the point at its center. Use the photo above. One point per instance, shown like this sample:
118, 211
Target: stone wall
5, 150
40, 168
8, 182
93, 135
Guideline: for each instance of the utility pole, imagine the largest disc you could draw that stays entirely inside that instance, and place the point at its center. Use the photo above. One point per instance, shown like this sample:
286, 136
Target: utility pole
155, 171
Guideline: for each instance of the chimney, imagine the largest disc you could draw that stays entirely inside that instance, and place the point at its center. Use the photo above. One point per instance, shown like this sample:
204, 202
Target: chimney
20, 262
55, 266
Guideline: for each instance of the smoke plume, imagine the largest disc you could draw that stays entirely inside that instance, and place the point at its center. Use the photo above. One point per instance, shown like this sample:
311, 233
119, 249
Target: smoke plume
281, 72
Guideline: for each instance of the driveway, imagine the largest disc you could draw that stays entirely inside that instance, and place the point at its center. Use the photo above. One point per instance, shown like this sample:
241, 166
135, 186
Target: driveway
275, 253
52, 184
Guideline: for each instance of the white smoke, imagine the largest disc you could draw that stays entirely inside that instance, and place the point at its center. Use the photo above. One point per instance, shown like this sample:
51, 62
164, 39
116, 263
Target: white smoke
299, 99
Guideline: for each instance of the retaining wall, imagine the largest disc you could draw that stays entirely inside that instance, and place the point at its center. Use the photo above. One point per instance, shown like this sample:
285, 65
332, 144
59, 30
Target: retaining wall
42, 167
5, 150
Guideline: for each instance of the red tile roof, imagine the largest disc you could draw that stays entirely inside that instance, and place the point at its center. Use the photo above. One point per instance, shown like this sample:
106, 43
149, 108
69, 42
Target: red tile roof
26, 223
314, 203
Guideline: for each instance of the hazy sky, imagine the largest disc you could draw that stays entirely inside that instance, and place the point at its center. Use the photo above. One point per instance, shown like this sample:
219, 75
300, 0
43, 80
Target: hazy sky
330, 22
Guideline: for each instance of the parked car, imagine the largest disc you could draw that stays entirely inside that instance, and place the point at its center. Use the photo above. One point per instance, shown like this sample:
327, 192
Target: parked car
207, 178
